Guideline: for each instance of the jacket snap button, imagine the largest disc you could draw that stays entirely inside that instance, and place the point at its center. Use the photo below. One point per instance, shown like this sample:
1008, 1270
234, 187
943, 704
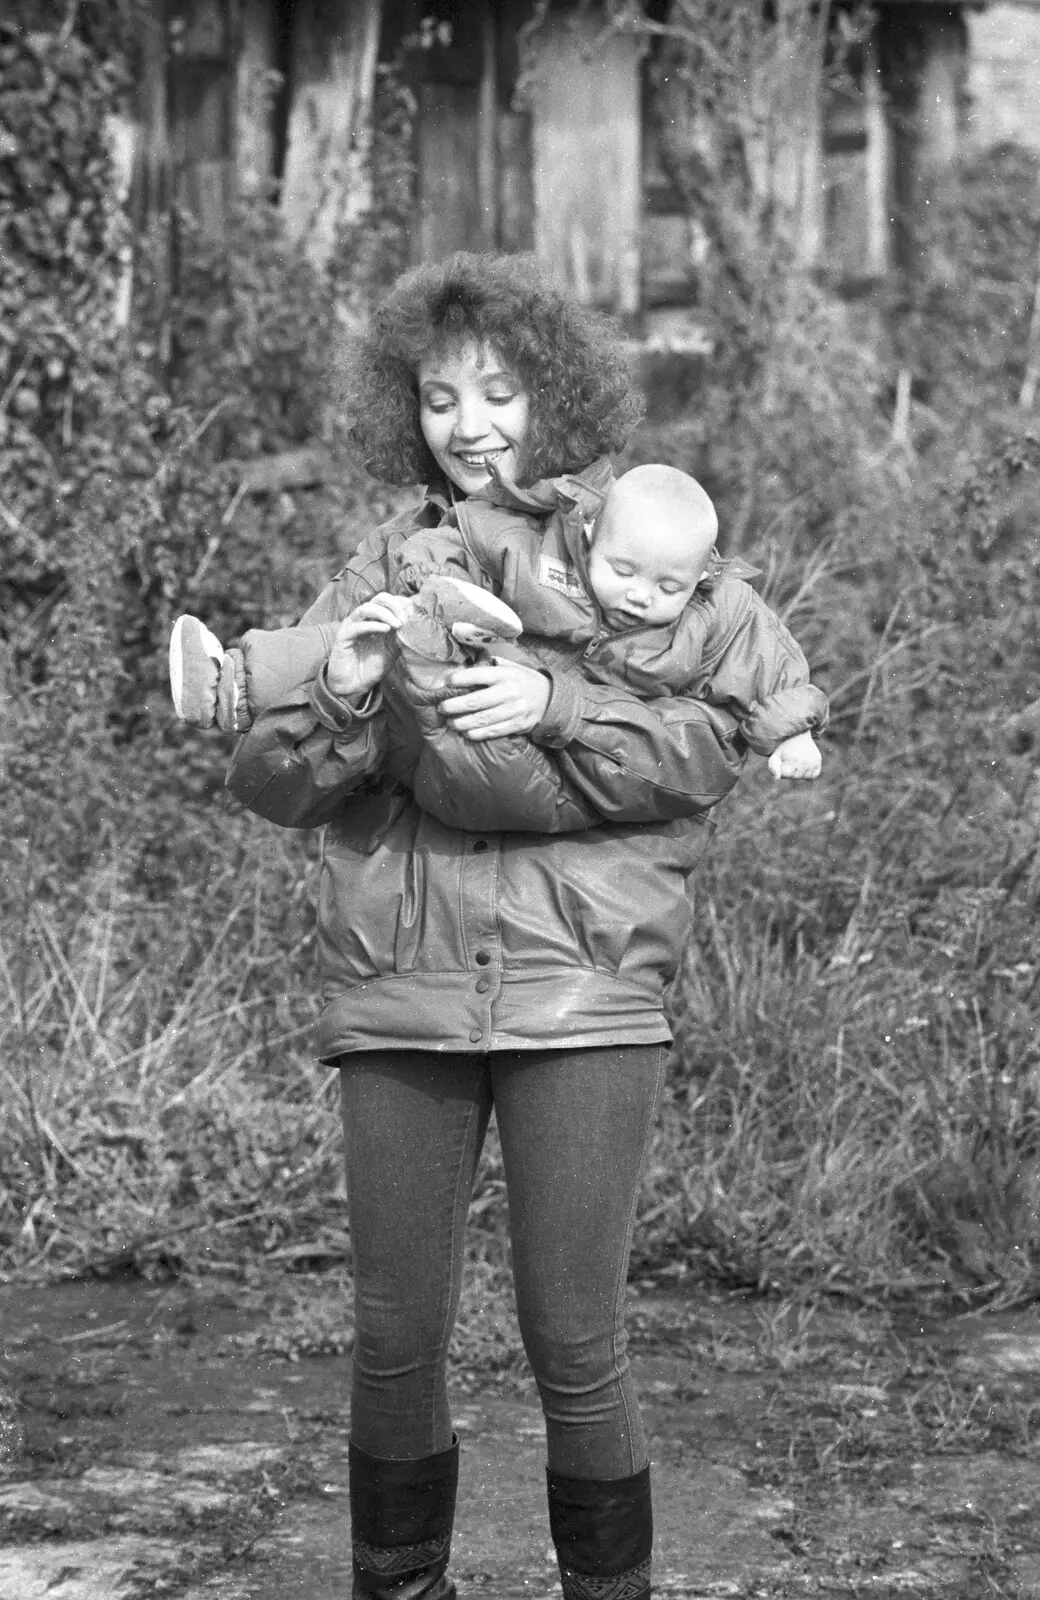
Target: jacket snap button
476, 1036
482, 958
480, 845
483, 985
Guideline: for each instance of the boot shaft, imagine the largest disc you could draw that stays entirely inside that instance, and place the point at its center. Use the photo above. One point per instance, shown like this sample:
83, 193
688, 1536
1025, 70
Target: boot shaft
402, 1513
603, 1531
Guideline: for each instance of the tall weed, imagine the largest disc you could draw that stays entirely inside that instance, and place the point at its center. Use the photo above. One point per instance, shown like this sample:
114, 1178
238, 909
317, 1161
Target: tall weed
854, 1091
856, 1094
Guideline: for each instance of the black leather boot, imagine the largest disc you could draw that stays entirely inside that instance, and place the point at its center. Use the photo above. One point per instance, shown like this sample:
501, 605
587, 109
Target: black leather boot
401, 1515
603, 1530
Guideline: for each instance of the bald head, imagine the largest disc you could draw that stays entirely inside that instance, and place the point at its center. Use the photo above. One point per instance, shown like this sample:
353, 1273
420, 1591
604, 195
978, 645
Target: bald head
650, 546
670, 499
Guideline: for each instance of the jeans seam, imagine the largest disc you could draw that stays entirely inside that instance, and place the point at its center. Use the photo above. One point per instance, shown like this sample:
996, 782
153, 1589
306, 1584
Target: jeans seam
457, 1251
622, 1278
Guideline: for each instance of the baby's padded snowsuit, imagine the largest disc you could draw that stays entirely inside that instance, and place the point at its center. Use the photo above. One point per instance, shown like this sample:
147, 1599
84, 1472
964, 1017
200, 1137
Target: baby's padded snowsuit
727, 647
528, 547
515, 787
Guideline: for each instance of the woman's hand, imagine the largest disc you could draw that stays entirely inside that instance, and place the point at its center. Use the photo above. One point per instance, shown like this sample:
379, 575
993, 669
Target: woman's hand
360, 655
499, 698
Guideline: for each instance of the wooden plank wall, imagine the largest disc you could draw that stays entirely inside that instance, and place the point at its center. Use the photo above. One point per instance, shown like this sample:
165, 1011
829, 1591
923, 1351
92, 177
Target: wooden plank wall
256, 96
586, 123
1004, 75
452, 214
472, 143
332, 76
202, 43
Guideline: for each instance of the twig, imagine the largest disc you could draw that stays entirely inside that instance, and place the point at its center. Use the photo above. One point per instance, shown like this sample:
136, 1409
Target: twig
15, 381
89, 1333
871, 672
212, 546
901, 418
236, 500
10, 518
70, 22
1031, 376
203, 425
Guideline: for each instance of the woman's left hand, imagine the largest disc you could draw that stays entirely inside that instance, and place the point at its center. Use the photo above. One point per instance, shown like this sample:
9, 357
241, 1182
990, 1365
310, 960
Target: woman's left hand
498, 698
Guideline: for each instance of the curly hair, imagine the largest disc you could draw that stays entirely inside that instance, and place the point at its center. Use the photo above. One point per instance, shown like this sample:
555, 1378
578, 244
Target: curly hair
568, 358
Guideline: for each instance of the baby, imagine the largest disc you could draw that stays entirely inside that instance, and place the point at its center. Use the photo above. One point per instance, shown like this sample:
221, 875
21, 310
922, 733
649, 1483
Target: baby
620, 579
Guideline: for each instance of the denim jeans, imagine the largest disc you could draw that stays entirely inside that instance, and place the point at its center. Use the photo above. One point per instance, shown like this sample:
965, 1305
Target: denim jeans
574, 1126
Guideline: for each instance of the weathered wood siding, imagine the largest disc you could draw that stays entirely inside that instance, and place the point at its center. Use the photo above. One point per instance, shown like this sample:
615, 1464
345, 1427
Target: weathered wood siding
332, 75
452, 212
1004, 75
852, 242
472, 144
202, 43
256, 95
586, 120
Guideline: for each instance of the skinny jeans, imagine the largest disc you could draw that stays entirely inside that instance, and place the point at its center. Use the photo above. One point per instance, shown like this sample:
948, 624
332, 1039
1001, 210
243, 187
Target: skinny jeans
574, 1127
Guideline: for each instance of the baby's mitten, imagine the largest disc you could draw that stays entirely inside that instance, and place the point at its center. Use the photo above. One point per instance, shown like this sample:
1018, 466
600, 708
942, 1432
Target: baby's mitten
207, 682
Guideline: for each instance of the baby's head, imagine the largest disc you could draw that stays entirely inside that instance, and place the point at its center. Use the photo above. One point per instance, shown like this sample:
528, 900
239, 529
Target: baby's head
650, 546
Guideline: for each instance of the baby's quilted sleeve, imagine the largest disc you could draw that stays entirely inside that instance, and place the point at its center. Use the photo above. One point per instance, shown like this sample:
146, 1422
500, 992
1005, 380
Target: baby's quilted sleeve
432, 553
762, 677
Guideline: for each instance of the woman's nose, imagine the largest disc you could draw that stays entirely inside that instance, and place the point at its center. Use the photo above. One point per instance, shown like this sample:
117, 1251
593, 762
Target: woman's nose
471, 421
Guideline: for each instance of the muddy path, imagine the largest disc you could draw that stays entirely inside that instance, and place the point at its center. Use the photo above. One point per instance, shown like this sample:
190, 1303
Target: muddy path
192, 1441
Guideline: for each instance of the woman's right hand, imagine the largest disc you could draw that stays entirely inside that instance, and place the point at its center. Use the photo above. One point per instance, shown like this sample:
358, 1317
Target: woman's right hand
360, 654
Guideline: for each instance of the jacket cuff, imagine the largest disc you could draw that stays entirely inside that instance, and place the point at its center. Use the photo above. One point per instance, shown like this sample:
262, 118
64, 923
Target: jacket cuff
783, 716
339, 715
562, 717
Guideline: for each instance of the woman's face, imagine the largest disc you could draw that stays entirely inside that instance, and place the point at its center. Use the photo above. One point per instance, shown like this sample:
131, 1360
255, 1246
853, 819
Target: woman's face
473, 410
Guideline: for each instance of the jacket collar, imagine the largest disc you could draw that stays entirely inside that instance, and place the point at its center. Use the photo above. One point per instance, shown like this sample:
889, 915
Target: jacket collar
586, 490
437, 493
582, 492
727, 567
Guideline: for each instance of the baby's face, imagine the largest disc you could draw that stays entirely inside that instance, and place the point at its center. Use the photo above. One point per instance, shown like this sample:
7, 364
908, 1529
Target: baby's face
643, 569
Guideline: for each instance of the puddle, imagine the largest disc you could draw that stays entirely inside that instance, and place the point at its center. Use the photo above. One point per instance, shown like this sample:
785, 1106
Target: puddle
150, 1445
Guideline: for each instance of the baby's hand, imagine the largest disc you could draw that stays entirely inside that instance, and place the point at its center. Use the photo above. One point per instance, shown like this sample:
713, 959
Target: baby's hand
796, 758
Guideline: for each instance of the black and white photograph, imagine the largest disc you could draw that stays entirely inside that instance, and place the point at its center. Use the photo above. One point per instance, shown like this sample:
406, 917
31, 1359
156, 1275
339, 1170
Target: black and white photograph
519, 799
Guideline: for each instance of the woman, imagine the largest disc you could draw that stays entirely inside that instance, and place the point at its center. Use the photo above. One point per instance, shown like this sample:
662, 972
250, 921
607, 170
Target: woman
469, 971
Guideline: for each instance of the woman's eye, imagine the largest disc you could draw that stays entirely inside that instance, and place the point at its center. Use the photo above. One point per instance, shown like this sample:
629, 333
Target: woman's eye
501, 399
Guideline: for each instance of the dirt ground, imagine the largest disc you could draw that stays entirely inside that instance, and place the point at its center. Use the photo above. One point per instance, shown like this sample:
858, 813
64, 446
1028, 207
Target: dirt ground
191, 1440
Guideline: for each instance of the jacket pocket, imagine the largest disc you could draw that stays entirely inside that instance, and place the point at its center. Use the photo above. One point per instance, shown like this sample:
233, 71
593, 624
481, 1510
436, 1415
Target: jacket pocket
390, 890
364, 872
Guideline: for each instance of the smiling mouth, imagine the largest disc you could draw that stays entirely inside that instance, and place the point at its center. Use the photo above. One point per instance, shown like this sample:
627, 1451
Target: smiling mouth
478, 461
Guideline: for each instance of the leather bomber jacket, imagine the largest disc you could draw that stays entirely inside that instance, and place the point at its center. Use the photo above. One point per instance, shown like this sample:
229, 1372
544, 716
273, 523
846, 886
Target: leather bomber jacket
446, 937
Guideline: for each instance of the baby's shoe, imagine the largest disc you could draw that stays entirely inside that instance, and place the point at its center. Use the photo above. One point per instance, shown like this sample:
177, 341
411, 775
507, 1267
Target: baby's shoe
204, 679
472, 615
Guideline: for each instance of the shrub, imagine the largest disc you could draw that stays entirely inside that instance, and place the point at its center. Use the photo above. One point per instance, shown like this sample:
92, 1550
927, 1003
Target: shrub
853, 1098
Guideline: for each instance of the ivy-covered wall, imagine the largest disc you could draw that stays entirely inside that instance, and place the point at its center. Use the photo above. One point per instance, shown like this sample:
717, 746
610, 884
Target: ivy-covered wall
120, 440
